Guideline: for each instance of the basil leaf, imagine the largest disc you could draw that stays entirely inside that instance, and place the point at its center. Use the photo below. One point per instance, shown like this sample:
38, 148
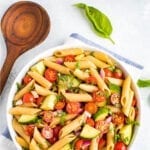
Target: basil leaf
143, 83
101, 23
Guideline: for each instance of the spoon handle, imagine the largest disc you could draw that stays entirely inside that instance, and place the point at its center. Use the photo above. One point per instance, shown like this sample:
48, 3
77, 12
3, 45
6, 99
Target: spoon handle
12, 54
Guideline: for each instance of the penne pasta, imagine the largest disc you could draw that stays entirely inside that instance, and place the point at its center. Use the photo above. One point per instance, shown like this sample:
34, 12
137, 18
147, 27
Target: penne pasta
69, 51
39, 139
22, 142
60, 68
100, 82
97, 62
83, 64
88, 88
80, 74
34, 145
113, 109
56, 120
24, 111
131, 115
76, 123
42, 91
94, 143
62, 142
24, 90
101, 56
115, 81
79, 57
19, 129
73, 97
40, 79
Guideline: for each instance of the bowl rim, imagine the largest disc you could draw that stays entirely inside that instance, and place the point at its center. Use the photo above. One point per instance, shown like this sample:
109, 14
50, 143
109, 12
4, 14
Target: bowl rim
47, 53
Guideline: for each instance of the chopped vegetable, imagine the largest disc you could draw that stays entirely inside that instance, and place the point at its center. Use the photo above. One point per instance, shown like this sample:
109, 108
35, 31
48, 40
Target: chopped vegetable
69, 58
50, 75
90, 122
47, 132
28, 98
27, 79
91, 107
73, 107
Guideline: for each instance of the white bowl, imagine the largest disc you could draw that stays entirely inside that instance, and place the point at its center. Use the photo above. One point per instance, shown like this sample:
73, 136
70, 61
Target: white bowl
47, 53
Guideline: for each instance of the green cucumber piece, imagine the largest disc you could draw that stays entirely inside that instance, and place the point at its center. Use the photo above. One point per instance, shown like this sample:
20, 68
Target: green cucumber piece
114, 88
89, 132
49, 102
27, 119
38, 67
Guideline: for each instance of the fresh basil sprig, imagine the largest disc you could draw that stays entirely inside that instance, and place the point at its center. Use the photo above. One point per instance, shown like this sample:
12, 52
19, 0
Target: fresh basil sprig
143, 83
101, 23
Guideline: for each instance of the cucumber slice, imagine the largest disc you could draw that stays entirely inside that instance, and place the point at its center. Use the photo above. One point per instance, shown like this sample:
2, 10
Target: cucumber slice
101, 114
49, 102
126, 134
67, 147
27, 119
89, 132
38, 67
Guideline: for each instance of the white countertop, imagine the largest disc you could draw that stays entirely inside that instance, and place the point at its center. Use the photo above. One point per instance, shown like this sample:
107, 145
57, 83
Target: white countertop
131, 33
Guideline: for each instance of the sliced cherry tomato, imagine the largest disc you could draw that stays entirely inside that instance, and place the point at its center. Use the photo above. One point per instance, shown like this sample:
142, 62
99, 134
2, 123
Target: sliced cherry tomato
134, 101
118, 118
60, 105
91, 107
91, 80
53, 140
120, 146
108, 72
47, 116
50, 75
90, 122
28, 98
39, 100
99, 96
27, 79
29, 129
78, 144
69, 58
73, 107
56, 130
102, 143
118, 73
47, 132
115, 98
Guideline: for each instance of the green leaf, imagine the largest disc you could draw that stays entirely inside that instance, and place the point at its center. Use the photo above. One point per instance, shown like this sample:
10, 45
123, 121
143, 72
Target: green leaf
101, 23
114, 88
143, 83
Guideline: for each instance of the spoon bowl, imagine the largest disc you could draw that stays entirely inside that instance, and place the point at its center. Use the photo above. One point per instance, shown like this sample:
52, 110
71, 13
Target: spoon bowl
24, 25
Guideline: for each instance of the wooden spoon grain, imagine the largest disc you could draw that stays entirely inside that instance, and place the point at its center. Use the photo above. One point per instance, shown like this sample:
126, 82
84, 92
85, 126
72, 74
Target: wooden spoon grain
24, 25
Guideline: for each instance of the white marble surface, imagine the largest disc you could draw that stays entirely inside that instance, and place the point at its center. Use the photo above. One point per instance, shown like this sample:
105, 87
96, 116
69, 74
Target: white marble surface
131, 23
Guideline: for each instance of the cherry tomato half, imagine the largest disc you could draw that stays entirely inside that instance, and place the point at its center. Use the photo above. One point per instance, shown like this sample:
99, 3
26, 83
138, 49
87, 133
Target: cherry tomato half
118, 118
56, 130
69, 58
108, 72
26, 79
91, 80
47, 132
39, 100
60, 105
91, 107
29, 129
120, 146
28, 98
90, 122
118, 73
102, 143
47, 116
99, 96
78, 144
73, 107
50, 75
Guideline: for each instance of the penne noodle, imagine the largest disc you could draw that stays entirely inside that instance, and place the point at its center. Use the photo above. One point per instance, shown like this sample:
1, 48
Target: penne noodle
54, 59
125, 91
100, 82
19, 129
131, 115
88, 87
22, 142
83, 64
97, 62
101, 56
80, 74
113, 109
69, 51
110, 138
34, 145
76, 123
39, 139
94, 143
28, 105
23, 111
57, 67
40, 79
24, 90
62, 142
79, 57
126, 108
75, 97
56, 120
118, 82
42, 91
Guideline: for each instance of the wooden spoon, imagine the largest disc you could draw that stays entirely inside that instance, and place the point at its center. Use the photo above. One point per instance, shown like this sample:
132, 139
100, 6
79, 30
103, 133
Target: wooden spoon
24, 25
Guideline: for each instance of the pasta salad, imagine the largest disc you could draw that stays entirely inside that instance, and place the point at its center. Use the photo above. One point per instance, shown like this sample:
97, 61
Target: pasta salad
76, 99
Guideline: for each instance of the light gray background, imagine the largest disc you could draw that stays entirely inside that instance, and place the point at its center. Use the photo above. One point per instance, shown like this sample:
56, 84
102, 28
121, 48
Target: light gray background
131, 33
